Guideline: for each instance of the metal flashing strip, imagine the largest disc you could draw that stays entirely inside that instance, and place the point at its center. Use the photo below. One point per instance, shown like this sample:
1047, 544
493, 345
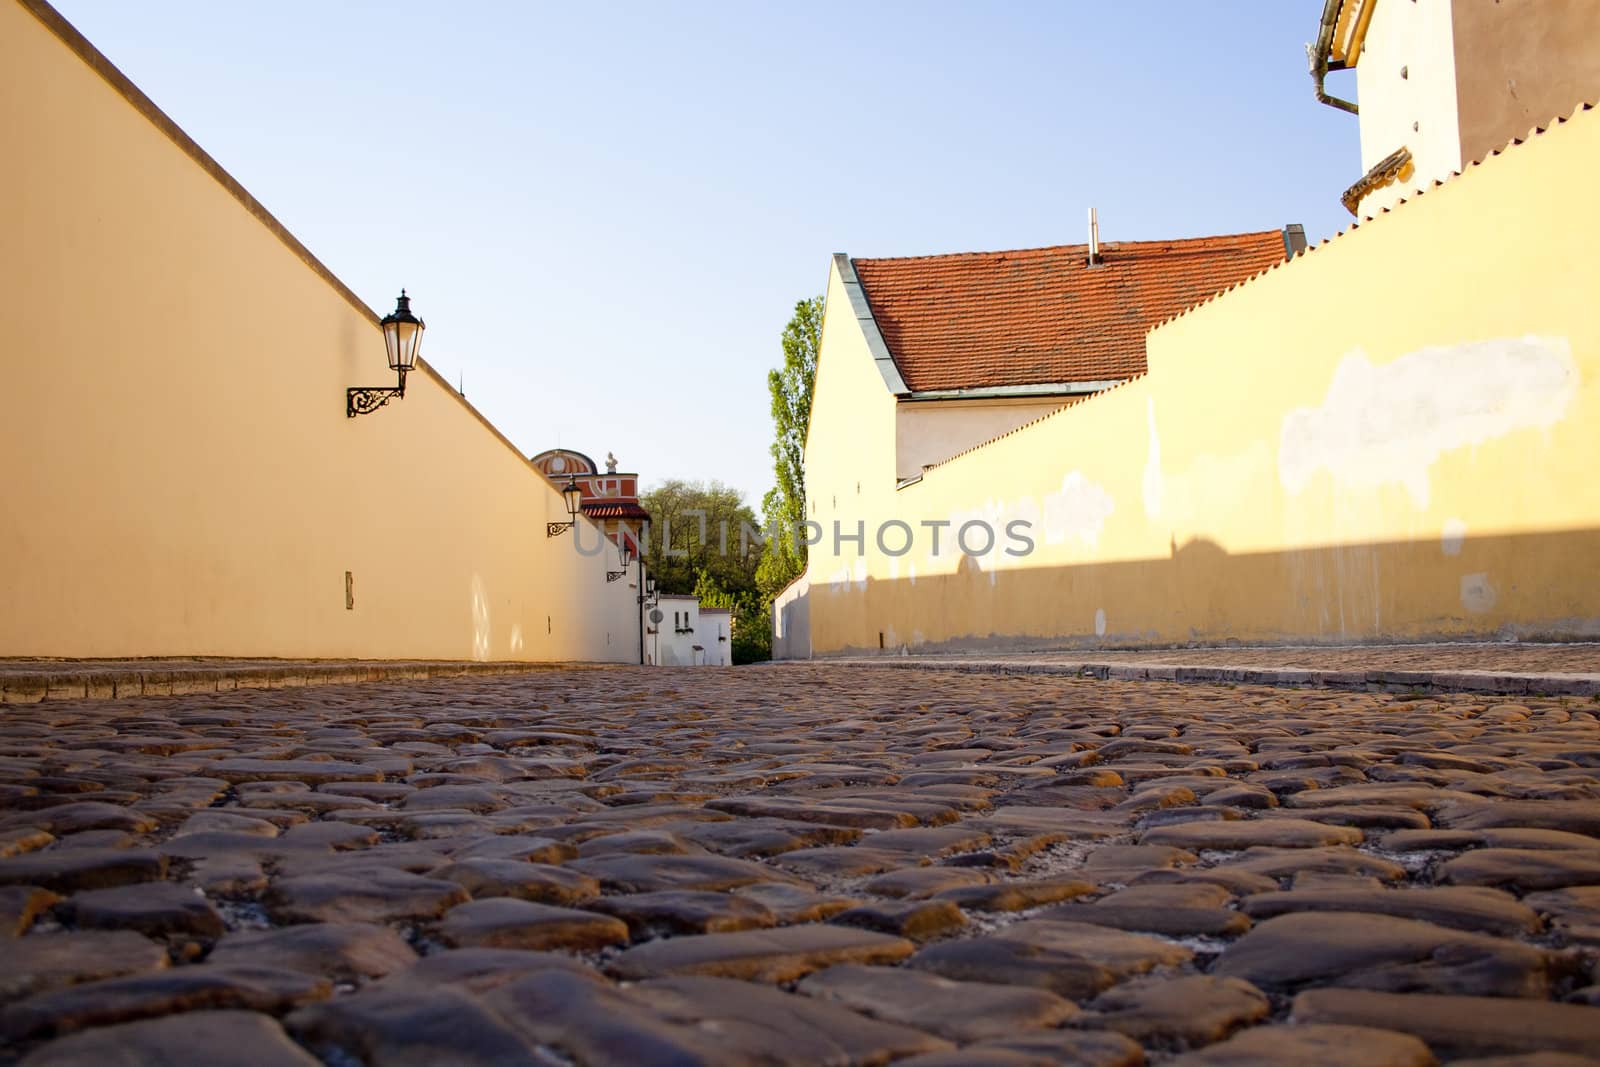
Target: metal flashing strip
869, 326
1010, 392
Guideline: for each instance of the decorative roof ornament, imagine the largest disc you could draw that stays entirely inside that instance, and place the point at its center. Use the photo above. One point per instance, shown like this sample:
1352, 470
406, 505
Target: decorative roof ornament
611, 463
1396, 166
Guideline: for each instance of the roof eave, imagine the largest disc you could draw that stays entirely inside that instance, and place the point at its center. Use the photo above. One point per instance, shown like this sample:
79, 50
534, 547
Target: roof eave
1012, 392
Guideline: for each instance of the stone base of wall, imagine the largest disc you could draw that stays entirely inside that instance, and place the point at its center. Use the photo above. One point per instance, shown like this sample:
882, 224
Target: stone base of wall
32, 680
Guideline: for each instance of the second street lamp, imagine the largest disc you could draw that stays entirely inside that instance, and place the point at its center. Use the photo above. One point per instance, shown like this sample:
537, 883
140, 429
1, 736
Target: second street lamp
625, 554
572, 493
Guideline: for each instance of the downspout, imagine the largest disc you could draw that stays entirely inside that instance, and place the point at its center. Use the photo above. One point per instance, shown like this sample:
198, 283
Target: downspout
1318, 55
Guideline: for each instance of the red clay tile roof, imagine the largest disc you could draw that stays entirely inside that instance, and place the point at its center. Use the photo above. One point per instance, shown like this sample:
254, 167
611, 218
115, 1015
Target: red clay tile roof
611, 510
1042, 315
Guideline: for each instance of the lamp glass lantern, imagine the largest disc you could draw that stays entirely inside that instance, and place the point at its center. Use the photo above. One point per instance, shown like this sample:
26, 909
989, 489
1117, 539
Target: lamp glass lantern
625, 553
402, 337
572, 493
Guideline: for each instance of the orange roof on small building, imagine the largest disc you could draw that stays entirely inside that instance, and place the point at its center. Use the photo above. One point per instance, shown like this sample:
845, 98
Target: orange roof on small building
984, 320
610, 509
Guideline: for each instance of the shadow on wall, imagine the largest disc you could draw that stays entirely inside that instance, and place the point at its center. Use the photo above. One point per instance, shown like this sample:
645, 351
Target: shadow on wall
1535, 586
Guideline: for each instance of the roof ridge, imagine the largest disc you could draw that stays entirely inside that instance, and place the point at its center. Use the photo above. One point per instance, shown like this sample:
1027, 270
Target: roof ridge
1165, 242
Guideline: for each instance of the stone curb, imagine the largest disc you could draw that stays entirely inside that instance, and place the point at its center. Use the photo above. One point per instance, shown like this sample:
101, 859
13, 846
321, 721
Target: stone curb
107, 683
1500, 683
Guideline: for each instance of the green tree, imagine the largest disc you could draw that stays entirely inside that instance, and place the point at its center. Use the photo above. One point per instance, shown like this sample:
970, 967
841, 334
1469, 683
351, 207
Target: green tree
784, 506
751, 624
695, 530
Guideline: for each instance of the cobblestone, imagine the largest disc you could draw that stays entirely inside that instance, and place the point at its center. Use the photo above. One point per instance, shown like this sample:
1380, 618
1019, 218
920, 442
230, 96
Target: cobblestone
806, 863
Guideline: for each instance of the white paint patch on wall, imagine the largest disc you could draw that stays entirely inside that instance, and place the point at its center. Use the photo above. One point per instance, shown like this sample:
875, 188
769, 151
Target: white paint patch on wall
860, 575
1452, 537
1100, 622
1386, 425
1152, 464
1079, 511
1477, 595
480, 619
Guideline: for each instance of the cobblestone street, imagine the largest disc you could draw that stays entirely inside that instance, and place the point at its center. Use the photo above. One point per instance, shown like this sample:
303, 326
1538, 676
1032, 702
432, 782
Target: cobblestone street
801, 864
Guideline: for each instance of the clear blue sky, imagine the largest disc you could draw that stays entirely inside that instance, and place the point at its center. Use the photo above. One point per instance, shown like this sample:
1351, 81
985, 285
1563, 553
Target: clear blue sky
606, 212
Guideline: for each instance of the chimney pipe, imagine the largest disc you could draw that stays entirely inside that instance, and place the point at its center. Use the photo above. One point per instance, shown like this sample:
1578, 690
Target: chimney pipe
1094, 237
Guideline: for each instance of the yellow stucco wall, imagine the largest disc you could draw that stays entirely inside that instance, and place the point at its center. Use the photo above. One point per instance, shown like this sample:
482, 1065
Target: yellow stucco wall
1393, 436
179, 475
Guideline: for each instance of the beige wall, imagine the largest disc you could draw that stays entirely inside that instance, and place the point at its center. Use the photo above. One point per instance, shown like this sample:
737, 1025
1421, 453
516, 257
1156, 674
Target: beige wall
1418, 464
1520, 64
180, 477
931, 431
791, 621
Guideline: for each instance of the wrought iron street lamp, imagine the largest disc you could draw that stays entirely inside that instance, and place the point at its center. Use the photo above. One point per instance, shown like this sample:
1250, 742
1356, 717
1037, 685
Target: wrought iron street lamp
402, 336
572, 493
625, 553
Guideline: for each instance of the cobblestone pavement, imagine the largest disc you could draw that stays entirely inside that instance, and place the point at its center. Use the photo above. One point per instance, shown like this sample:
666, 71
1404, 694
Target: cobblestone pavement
796, 865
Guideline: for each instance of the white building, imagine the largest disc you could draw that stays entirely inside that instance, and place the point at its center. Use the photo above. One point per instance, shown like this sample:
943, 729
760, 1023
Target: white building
683, 634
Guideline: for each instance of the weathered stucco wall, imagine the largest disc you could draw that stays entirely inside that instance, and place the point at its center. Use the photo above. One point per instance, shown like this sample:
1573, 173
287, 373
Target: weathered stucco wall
1521, 63
179, 475
1391, 437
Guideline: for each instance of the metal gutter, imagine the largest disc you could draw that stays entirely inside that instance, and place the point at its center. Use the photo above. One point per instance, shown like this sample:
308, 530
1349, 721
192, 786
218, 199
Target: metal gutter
1318, 55
869, 326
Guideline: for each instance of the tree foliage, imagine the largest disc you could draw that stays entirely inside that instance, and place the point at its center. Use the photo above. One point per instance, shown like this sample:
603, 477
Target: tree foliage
790, 387
694, 530
705, 542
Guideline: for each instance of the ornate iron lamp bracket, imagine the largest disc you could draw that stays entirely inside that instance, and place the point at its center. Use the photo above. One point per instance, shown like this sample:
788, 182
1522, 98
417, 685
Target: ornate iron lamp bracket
556, 529
367, 399
612, 576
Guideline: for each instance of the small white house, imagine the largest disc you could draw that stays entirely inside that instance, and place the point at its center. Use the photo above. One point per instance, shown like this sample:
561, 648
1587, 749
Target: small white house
681, 633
